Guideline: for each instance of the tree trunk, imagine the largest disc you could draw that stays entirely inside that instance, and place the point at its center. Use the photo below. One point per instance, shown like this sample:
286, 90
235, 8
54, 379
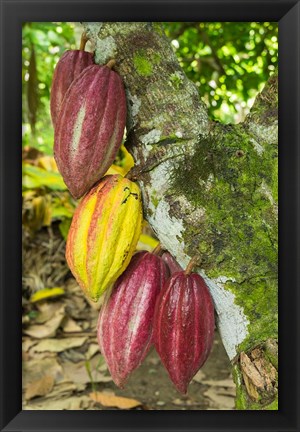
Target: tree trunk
208, 189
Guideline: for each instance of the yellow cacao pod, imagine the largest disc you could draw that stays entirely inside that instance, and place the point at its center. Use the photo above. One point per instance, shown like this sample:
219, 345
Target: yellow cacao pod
104, 232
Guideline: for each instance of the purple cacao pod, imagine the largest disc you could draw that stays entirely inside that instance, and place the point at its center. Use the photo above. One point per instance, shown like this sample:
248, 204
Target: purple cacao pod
184, 327
90, 127
125, 325
171, 263
69, 66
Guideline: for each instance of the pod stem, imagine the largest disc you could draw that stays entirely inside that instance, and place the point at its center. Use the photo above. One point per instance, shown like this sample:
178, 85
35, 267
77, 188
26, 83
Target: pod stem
83, 41
196, 260
111, 63
129, 176
133, 174
158, 250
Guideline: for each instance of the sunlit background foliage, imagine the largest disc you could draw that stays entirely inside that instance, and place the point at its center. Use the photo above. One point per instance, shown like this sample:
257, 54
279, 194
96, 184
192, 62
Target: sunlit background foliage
43, 44
228, 61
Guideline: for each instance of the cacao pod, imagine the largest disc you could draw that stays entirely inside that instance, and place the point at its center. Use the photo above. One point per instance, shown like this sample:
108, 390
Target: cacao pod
126, 319
90, 127
103, 234
171, 262
184, 327
69, 66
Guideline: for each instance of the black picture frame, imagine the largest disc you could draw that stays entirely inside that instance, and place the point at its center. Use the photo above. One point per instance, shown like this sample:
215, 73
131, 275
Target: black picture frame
13, 13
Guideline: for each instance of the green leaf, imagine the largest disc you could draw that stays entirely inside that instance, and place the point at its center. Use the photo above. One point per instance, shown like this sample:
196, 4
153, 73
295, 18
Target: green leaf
34, 177
61, 212
64, 227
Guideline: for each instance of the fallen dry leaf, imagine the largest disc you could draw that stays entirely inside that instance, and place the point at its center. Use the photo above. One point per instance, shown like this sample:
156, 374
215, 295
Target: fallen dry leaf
77, 307
46, 293
228, 383
219, 401
27, 343
77, 372
72, 287
49, 328
33, 355
58, 345
71, 326
69, 403
199, 377
227, 392
25, 356
40, 387
110, 400
62, 389
178, 401
47, 311
33, 370
72, 355
92, 350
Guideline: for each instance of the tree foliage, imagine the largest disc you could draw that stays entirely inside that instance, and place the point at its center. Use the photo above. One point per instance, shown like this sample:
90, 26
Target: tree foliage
228, 61
42, 45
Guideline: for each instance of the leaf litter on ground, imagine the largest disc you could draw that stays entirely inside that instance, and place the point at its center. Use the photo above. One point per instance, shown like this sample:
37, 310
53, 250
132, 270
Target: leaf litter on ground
111, 400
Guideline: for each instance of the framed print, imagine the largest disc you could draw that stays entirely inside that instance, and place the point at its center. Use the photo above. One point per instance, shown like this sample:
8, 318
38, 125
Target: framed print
146, 156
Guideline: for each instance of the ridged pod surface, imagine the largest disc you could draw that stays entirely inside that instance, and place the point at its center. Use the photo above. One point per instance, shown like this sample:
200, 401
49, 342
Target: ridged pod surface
69, 66
90, 127
126, 319
184, 327
103, 234
171, 262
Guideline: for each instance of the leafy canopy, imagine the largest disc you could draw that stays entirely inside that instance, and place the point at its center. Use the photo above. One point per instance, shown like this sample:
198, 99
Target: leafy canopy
228, 61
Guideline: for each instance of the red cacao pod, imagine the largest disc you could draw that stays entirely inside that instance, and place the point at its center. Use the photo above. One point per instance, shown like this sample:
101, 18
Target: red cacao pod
69, 66
126, 318
90, 127
171, 262
184, 327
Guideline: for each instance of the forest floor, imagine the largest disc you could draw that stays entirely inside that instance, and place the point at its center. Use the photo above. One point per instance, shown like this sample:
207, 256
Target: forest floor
62, 366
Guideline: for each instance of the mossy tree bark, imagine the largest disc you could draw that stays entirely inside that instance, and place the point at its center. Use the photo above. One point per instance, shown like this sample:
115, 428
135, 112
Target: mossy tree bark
208, 189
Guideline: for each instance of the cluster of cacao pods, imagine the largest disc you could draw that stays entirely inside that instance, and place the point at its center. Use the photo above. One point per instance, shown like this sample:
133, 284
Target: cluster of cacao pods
88, 110
149, 299
154, 302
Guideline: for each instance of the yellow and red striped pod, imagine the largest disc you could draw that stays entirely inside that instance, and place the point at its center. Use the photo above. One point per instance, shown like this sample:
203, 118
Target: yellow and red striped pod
104, 232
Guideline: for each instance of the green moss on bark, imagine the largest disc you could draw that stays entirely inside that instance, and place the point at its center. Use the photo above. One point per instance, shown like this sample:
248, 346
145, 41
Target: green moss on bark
241, 399
237, 237
272, 406
142, 64
144, 61
154, 200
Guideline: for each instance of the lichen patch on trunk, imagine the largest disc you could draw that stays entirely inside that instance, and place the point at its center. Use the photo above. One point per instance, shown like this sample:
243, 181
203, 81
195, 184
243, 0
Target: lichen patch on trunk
233, 323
